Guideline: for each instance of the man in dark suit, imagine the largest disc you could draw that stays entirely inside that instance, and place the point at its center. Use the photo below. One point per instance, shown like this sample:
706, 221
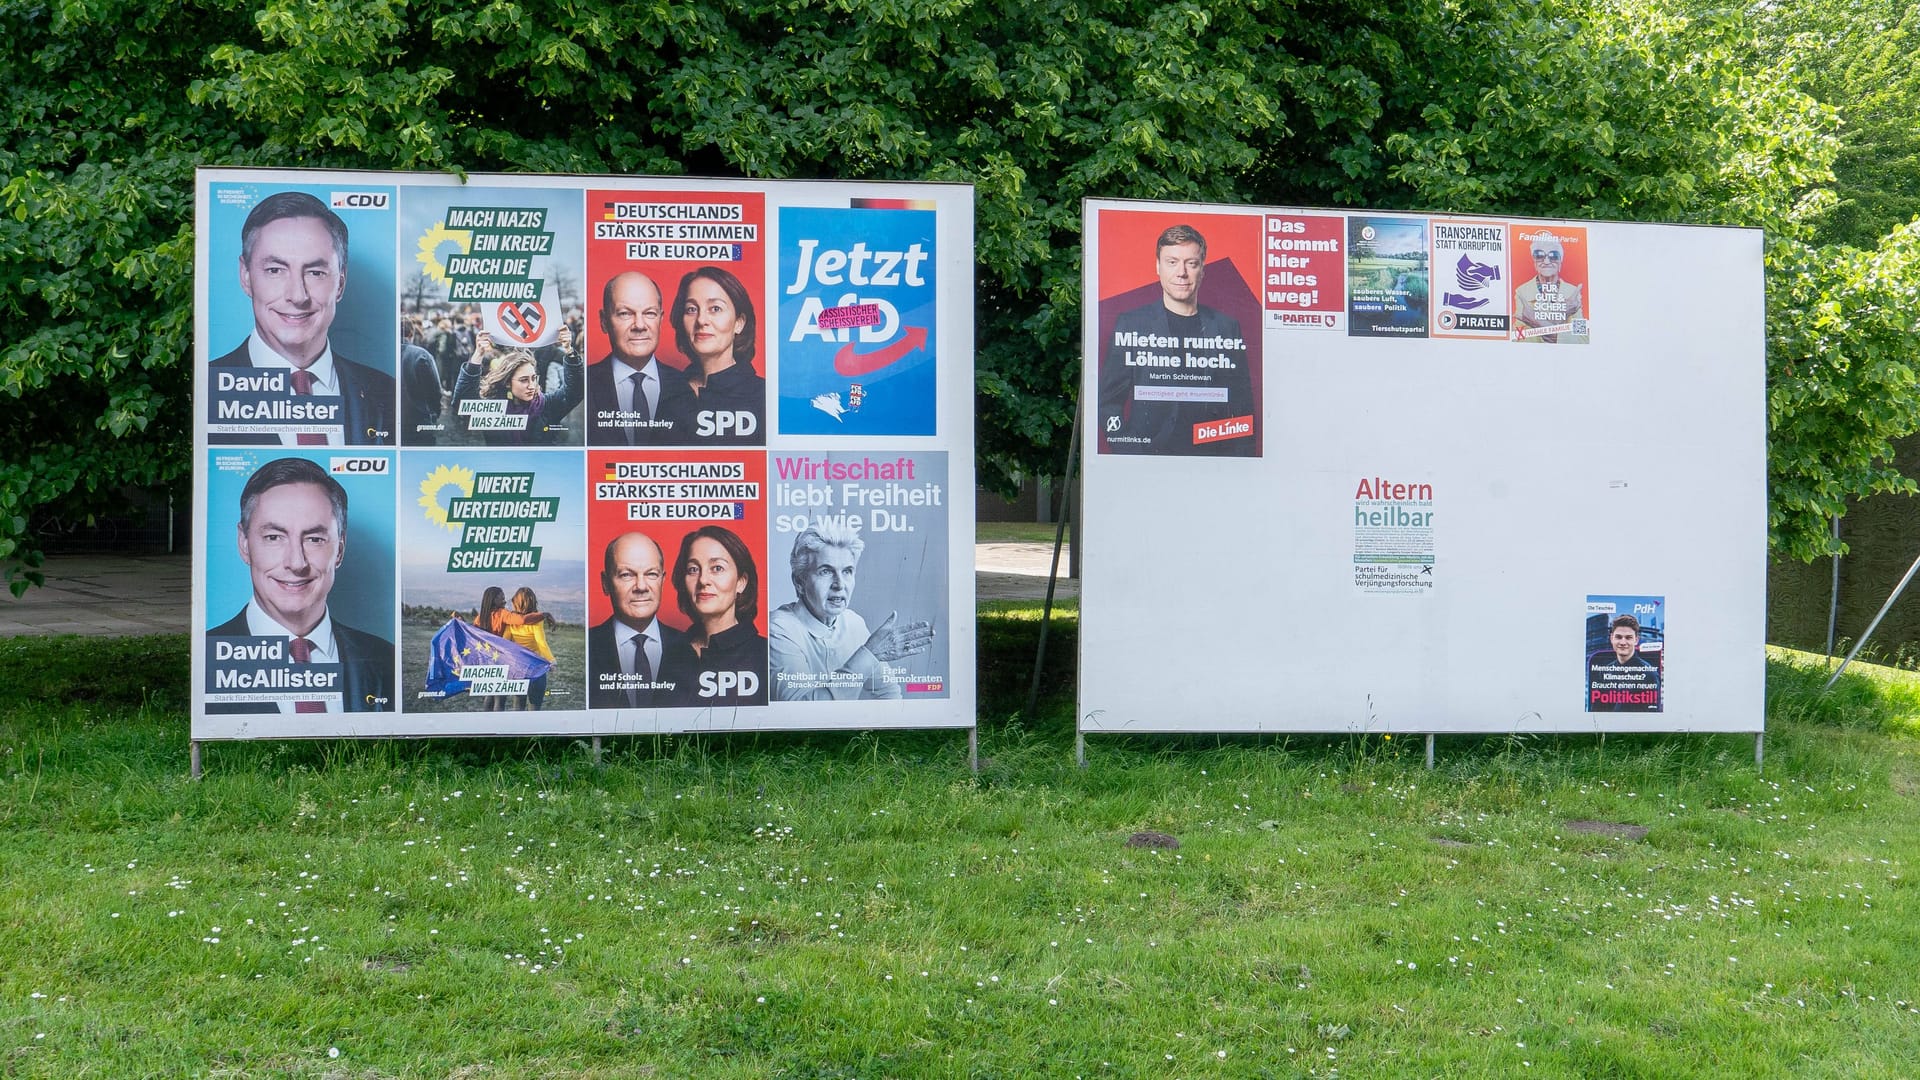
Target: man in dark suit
293, 267
636, 400
1176, 379
284, 642
630, 656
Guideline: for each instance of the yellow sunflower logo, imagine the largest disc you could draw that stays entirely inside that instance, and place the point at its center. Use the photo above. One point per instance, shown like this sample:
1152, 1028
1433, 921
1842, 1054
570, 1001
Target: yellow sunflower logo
429, 254
457, 477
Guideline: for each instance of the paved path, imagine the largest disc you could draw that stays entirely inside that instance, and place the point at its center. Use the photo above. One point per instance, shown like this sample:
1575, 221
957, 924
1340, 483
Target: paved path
115, 595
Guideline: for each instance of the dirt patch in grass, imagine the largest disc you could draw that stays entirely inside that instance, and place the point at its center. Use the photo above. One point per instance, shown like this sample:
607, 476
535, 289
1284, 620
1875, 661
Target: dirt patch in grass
1606, 828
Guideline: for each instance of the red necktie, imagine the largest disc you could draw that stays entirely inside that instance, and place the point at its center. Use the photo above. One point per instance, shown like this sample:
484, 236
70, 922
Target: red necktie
303, 385
302, 649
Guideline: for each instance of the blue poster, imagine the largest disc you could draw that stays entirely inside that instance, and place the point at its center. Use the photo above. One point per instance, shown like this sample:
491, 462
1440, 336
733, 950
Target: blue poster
857, 330
356, 318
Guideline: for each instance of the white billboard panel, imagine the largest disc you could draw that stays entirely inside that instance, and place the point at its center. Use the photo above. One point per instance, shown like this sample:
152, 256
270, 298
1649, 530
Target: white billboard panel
1335, 481
580, 455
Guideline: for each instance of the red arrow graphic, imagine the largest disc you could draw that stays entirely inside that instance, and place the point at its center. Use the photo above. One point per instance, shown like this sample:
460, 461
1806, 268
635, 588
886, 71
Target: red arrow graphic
855, 364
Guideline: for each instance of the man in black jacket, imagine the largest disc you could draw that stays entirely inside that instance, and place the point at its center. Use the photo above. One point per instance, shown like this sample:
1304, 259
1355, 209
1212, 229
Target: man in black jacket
1176, 378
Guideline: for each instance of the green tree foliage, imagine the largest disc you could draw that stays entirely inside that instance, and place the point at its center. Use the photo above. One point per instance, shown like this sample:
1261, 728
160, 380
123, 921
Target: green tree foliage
1604, 108
1863, 58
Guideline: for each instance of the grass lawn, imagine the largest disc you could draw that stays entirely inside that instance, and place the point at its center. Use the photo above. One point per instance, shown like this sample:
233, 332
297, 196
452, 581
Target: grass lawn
1026, 532
862, 906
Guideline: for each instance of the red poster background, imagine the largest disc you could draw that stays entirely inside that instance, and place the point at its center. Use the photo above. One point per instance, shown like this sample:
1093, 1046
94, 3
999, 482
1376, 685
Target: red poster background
605, 258
607, 519
1573, 267
1328, 268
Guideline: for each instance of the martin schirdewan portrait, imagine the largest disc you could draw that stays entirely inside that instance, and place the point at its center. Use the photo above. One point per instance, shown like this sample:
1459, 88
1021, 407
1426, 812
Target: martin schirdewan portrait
303, 336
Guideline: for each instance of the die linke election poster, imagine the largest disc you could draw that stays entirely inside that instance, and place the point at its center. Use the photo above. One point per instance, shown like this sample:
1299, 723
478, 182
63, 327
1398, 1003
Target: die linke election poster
1426, 495
561, 455
1178, 349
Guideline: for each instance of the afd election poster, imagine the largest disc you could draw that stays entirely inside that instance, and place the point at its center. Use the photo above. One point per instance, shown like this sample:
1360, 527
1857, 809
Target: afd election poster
497, 455
1432, 493
859, 351
299, 337
1179, 348
860, 612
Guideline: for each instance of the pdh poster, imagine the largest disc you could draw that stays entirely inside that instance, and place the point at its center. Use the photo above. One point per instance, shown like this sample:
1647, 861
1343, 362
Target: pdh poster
558, 455
1626, 651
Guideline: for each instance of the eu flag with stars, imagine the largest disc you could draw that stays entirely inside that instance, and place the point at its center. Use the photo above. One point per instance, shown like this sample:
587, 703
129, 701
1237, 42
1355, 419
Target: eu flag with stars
461, 643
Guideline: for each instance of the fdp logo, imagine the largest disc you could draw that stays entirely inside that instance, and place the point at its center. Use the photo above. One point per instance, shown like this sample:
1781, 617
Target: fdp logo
358, 466
360, 200
522, 320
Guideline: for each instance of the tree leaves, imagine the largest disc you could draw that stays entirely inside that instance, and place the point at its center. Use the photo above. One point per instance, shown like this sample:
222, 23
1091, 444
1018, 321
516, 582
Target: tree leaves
1603, 108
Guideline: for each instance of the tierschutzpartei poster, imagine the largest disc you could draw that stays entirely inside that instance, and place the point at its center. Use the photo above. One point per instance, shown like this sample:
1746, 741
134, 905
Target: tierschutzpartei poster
524, 455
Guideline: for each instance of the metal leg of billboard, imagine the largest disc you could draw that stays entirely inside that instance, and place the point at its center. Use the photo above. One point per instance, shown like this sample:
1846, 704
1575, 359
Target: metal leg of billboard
1053, 569
1881, 614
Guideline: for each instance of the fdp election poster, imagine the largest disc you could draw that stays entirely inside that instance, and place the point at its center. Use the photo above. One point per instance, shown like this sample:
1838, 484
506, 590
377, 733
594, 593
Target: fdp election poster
1436, 495
861, 611
500, 456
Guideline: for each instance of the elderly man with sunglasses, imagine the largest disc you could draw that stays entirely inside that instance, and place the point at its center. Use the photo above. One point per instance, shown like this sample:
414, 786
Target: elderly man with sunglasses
1547, 308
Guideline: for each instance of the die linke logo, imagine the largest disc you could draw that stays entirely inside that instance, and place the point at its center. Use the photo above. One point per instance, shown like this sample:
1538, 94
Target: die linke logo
523, 320
868, 325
